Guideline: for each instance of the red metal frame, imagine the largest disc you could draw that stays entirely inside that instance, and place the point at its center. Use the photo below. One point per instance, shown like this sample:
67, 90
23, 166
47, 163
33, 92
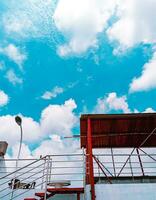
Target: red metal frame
90, 159
115, 131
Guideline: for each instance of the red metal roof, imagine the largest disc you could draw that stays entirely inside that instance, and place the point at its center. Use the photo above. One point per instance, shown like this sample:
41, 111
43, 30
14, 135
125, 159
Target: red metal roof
119, 130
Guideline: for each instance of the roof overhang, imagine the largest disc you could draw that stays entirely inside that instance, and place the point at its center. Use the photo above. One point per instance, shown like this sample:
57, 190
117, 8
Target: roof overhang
119, 130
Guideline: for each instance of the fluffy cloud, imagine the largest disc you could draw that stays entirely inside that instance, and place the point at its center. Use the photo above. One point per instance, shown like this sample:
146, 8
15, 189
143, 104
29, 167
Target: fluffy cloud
13, 78
149, 110
4, 99
136, 19
54, 145
58, 146
112, 102
25, 19
53, 93
55, 120
9, 130
14, 53
81, 21
59, 120
147, 79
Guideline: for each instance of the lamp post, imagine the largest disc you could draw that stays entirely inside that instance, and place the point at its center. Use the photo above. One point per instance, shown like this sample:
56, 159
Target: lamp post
18, 120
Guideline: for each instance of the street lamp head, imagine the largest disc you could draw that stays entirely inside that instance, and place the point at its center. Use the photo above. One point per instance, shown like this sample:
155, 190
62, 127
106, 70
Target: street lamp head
18, 120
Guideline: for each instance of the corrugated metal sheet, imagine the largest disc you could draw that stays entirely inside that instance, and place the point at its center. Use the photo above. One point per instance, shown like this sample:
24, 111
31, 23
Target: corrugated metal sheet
126, 130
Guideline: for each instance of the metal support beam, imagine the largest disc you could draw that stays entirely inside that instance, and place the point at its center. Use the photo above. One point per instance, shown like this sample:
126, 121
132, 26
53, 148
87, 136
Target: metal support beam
113, 161
98, 163
78, 196
90, 159
125, 162
141, 166
148, 155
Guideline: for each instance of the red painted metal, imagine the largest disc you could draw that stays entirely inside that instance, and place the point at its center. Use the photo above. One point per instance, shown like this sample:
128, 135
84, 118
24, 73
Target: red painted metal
126, 130
65, 190
30, 199
90, 158
54, 191
39, 194
78, 196
141, 166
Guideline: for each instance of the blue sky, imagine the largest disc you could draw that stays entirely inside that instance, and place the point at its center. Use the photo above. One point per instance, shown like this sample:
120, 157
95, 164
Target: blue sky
61, 58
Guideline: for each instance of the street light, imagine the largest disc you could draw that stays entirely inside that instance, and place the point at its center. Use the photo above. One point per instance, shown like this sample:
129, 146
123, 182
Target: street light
18, 120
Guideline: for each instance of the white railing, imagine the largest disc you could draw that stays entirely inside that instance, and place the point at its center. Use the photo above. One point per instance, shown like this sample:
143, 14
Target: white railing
37, 174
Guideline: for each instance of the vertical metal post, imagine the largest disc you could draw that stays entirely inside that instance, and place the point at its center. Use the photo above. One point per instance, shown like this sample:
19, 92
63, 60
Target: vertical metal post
98, 170
17, 161
50, 169
47, 176
84, 170
87, 165
78, 196
130, 164
113, 162
43, 177
90, 155
141, 166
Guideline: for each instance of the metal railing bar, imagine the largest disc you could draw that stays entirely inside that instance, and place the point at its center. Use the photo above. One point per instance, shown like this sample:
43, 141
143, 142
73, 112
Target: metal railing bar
18, 175
16, 190
20, 181
22, 168
58, 161
80, 167
115, 154
25, 191
64, 174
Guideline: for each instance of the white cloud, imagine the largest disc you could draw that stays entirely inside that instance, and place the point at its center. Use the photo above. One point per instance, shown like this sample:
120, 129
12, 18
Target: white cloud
136, 23
13, 78
149, 110
4, 99
14, 53
53, 146
59, 119
81, 21
112, 102
53, 93
55, 120
29, 19
10, 131
25, 152
147, 80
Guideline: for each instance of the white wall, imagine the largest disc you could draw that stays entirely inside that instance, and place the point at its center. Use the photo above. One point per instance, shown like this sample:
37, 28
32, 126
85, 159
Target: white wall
124, 191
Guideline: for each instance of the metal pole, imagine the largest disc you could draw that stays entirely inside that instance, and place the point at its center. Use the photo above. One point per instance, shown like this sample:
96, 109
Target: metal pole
17, 161
84, 170
141, 166
19, 151
125, 162
47, 176
130, 164
113, 162
91, 168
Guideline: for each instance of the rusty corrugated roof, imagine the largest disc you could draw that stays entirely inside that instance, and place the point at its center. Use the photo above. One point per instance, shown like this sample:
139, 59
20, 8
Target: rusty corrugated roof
119, 130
